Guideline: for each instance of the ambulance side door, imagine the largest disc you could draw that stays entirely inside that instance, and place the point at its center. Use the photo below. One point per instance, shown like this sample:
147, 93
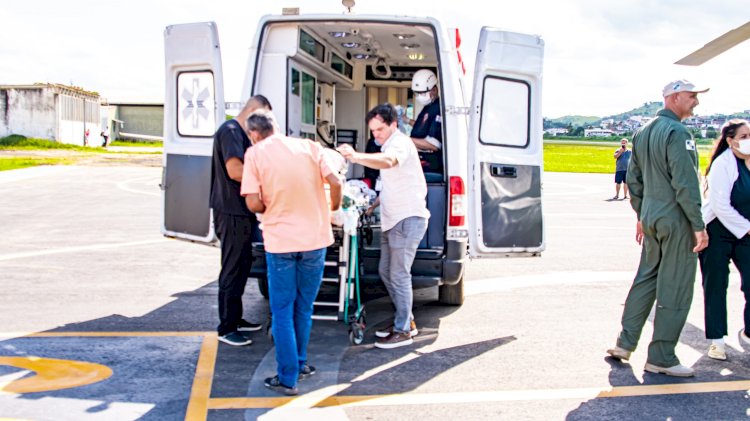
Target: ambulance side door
193, 109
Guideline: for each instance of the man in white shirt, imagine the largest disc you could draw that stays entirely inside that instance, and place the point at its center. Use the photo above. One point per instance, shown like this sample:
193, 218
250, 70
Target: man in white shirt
403, 216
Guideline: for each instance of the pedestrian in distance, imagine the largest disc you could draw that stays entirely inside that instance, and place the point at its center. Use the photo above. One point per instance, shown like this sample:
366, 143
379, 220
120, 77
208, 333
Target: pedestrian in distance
622, 159
403, 217
665, 193
726, 213
234, 224
283, 179
105, 137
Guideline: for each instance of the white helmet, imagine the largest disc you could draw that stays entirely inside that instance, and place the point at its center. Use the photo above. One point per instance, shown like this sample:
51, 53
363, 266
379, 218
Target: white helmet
423, 80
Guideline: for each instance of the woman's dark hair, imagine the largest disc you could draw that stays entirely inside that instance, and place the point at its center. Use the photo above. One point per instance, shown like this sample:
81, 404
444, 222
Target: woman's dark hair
729, 129
386, 111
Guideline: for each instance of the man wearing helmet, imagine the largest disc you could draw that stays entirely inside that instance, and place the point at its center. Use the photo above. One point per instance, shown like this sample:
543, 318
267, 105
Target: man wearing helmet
427, 130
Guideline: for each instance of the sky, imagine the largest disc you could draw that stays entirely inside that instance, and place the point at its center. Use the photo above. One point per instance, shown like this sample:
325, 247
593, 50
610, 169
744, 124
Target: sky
601, 57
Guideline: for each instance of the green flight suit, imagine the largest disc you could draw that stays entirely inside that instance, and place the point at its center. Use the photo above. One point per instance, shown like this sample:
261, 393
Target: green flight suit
664, 185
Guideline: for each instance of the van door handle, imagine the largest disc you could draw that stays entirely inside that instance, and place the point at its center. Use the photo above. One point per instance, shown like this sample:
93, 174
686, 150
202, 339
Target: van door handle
505, 171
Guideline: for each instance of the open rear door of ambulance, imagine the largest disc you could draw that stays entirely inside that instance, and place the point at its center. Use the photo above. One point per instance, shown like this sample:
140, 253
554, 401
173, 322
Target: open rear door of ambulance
505, 147
193, 109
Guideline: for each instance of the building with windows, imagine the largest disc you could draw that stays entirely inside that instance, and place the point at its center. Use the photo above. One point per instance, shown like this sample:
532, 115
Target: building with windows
50, 111
598, 132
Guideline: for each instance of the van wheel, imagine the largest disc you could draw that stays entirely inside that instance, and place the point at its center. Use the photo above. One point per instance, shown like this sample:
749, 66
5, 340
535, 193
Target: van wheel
263, 286
452, 295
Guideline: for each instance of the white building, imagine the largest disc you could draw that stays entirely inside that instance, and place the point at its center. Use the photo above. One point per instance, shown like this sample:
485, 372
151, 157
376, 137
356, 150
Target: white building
50, 111
598, 132
556, 131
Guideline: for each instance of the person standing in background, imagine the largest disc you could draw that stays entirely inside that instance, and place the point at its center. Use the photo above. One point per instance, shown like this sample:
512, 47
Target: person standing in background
105, 137
622, 159
726, 212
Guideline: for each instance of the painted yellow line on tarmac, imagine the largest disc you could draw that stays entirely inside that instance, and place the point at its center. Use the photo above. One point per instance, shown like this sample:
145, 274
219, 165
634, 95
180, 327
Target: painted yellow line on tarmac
488, 397
204, 373
96, 334
52, 374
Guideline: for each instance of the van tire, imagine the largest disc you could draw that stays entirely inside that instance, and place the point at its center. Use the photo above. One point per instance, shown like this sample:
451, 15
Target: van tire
263, 286
452, 295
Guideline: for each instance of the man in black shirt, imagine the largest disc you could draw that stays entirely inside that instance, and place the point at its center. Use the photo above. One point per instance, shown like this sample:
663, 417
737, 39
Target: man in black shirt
233, 222
427, 128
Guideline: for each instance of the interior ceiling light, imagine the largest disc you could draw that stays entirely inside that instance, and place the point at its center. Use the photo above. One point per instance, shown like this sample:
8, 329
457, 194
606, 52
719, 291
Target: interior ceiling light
350, 44
403, 36
339, 34
416, 56
362, 56
409, 46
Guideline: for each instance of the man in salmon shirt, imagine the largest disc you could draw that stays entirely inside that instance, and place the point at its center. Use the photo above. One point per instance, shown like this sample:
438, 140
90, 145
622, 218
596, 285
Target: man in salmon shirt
283, 179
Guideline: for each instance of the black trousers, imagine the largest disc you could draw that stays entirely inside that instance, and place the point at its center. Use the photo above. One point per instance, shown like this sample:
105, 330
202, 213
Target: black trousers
723, 246
235, 233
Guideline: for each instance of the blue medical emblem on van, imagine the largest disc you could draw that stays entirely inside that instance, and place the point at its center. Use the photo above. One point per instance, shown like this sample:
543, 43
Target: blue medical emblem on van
690, 144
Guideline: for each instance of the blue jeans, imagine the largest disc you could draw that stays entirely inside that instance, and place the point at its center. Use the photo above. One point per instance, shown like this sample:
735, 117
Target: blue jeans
293, 282
398, 247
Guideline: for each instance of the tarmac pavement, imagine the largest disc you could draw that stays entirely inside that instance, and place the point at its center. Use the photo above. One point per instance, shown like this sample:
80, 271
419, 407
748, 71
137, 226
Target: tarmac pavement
103, 318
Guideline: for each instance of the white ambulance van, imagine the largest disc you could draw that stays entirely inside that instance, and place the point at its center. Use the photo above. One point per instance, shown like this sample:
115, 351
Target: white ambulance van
322, 73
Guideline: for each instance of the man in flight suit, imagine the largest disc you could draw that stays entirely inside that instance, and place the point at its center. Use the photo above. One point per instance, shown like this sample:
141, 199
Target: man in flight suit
665, 193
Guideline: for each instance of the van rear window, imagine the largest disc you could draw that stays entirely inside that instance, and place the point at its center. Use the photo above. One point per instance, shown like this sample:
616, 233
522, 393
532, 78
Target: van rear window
505, 112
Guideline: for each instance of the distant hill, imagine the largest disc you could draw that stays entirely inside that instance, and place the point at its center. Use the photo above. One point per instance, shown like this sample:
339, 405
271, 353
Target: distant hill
571, 120
647, 109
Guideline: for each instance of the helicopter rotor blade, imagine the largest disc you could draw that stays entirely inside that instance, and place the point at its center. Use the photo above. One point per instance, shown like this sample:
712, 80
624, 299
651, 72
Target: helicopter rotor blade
717, 46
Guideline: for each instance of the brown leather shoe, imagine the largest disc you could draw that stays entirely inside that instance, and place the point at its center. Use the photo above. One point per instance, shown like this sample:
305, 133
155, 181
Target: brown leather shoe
394, 340
383, 333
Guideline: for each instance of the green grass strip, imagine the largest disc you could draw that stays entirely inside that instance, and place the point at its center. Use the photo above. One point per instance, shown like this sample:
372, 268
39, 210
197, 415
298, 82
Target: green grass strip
7, 163
591, 158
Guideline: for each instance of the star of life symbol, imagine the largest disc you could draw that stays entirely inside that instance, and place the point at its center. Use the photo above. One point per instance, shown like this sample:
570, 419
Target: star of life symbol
195, 97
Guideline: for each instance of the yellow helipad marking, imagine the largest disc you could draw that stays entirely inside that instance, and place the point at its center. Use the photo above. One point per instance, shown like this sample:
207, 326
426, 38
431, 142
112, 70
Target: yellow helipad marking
52, 374
487, 397
61, 374
204, 373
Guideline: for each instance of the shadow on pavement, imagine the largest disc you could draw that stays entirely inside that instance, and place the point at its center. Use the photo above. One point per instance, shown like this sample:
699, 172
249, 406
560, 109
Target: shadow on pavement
153, 375
698, 406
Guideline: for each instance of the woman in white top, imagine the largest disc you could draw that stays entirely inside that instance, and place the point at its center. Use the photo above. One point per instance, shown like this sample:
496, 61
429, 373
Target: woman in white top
726, 212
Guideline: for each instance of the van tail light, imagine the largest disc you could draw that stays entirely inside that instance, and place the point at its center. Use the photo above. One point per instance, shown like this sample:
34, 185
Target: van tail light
457, 215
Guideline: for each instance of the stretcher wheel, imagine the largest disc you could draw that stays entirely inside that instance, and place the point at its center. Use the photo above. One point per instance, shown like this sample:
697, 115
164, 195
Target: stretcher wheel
356, 334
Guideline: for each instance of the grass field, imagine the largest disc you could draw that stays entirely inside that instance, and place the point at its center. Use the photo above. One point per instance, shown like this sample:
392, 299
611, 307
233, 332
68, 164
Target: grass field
21, 152
9, 163
558, 157
590, 158
18, 143
140, 143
